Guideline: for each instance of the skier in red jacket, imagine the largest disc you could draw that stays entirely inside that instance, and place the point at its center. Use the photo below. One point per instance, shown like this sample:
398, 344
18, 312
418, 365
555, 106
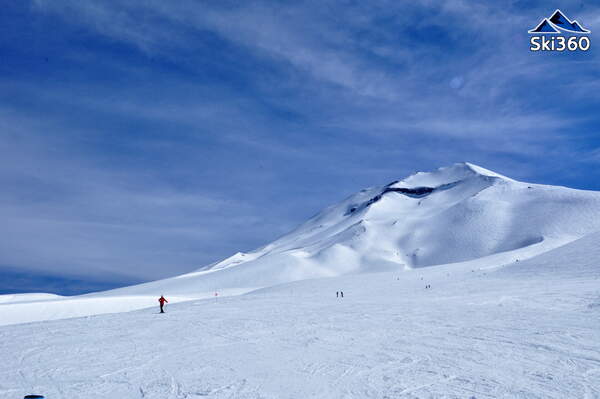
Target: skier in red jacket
162, 301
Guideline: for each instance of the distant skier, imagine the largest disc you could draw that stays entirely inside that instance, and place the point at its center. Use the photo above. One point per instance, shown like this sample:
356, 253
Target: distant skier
337, 294
342, 294
161, 302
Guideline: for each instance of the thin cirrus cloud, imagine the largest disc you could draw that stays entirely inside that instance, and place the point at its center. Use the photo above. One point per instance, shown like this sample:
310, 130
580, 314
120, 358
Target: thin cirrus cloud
146, 139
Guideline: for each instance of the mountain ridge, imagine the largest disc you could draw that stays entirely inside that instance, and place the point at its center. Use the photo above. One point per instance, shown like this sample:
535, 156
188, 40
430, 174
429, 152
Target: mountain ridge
455, 214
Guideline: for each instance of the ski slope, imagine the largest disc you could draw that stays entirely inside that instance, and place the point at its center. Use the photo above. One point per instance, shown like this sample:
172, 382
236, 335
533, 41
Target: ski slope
470, 213
513, 309
462, 214
529, 329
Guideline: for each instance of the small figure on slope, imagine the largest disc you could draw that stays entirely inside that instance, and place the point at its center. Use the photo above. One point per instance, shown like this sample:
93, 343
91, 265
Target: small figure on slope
161, 302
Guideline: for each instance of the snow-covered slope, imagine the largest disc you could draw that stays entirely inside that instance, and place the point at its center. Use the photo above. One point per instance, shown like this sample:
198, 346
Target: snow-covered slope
454, 214
513, 310
527, 330
30, 297
579, 259
462, 215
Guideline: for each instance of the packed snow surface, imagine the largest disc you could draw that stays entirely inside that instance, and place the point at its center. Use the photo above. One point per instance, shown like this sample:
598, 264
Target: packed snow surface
530, 329
513, 309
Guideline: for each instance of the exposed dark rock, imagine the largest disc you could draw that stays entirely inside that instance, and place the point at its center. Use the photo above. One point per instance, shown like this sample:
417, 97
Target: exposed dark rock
413, 192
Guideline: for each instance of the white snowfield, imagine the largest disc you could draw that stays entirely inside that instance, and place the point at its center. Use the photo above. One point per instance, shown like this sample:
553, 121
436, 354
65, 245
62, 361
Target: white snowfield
513, 310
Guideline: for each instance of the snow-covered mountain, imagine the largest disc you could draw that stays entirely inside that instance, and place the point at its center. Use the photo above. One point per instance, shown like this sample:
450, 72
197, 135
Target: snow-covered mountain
463, 216
459, 213
527, 330
487, 325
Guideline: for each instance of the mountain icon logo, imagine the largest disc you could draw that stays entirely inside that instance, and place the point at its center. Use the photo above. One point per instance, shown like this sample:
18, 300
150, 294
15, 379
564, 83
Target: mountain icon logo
558, 23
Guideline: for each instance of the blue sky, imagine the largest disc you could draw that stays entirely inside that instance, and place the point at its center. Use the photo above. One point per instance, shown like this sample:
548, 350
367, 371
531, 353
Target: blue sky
141, 140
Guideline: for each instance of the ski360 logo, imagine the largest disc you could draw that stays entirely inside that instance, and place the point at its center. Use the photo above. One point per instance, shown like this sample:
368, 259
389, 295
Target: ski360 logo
551, 35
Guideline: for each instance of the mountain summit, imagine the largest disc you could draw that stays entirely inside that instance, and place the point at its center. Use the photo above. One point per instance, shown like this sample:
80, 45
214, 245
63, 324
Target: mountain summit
458, 213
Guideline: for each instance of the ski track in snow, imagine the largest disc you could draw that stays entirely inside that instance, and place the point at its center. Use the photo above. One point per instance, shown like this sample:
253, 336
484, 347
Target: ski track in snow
473, 335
